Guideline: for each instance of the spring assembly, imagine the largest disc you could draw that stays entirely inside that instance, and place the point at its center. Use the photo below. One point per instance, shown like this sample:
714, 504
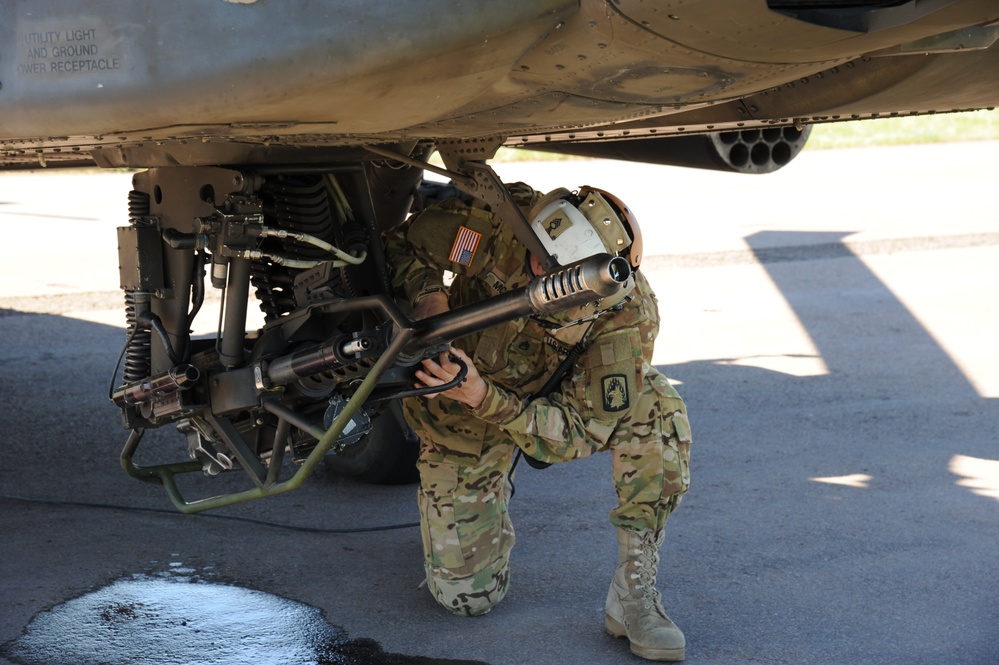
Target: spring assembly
295, 203
138, 361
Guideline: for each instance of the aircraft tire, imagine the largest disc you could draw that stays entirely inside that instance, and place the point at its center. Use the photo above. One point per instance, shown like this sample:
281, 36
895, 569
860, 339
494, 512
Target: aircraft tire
385, 456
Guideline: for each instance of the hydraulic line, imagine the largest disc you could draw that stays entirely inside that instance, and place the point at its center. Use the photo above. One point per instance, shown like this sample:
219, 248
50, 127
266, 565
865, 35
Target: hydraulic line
197, 287
354, 234
343, 256
156, 326
288, 262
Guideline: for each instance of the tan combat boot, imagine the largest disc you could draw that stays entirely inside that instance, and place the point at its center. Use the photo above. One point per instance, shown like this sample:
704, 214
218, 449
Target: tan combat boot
634, 607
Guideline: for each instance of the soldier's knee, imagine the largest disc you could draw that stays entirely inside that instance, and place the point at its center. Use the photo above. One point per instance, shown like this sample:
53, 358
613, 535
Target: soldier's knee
472, 595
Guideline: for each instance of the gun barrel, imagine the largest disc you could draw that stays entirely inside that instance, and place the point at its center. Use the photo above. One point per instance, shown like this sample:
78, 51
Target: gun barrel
585, 281
591, 279
588, 280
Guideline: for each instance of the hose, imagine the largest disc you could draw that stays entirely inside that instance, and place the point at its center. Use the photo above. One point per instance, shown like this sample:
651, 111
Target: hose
344, 257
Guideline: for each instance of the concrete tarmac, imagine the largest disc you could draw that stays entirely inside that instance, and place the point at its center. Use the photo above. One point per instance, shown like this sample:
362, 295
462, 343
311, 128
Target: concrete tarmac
831, 327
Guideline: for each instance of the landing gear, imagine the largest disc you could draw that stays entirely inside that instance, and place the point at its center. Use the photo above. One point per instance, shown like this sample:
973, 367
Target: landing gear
302, 247
386, 456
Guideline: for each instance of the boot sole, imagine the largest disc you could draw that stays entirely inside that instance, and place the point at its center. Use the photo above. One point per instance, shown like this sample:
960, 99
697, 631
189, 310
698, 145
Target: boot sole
615, 628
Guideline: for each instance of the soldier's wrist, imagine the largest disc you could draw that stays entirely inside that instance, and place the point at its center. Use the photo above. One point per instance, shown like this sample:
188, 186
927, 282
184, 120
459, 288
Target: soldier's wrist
496, 406
477, 393
437, 291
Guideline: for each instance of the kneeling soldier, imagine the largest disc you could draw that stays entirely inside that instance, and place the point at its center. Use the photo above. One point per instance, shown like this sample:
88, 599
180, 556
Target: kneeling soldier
605, 395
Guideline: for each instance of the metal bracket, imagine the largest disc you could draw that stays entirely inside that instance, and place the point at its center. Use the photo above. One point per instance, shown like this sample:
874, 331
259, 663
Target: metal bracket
467, 168
469, 159
231, 438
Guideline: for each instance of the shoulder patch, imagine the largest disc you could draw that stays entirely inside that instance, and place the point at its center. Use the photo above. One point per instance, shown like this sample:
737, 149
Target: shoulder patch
615, 392
466, 242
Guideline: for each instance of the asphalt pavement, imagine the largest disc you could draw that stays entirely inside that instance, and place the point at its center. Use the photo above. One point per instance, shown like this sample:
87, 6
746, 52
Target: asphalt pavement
831, 327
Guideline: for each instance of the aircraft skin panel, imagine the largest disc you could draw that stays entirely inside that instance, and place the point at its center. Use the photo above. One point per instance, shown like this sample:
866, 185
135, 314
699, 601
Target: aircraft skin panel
753, 32
862, 88
644, 60
103, 66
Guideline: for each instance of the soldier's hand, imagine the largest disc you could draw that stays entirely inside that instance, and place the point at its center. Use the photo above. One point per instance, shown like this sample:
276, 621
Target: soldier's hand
471, 391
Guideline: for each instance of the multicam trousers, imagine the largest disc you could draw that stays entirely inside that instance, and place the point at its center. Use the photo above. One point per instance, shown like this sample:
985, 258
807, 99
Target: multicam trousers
464, 462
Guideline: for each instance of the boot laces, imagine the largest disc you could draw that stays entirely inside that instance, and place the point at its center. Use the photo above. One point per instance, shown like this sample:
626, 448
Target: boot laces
646, 566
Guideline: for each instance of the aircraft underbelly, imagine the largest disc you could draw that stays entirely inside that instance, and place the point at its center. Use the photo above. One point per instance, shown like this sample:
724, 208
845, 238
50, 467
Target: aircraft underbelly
153, 83
104, 66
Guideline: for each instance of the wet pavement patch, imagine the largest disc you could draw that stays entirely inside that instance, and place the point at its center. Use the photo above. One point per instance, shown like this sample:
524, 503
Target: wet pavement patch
179, 619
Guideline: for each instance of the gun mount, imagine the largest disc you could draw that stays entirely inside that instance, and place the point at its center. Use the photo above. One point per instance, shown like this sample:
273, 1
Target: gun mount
335, 350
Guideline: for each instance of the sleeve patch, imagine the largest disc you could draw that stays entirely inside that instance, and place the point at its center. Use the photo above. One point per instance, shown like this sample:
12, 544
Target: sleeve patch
466, 243
615, 393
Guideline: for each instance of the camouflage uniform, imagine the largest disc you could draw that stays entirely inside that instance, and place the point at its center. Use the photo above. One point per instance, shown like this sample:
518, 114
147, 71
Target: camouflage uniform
612, 399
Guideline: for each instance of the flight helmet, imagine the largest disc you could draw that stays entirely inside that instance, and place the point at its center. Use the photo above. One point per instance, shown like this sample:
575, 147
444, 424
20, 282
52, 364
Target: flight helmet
577, 225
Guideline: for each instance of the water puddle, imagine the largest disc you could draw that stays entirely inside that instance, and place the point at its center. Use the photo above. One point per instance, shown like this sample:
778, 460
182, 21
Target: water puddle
179, 618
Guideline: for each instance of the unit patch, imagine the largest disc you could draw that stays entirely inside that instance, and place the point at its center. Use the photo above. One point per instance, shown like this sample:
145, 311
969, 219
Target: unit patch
465, 245
615, 392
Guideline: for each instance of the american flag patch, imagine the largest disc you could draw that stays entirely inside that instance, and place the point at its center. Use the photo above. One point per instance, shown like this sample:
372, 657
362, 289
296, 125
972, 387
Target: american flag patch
465, 244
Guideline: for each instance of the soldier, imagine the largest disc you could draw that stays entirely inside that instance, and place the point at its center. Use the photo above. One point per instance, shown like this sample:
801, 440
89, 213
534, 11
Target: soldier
606, 396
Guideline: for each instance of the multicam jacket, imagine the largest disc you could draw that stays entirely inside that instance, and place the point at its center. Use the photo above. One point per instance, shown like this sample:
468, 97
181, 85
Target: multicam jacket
597, 396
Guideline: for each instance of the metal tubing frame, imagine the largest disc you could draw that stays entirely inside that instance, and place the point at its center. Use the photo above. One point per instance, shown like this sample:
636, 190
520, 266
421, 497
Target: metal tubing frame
166, 473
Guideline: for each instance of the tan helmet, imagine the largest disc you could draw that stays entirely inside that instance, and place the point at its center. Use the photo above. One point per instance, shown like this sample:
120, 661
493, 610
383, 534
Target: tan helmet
574, 226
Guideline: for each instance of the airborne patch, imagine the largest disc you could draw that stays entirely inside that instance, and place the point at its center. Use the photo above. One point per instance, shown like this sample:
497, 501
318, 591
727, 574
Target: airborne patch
615, 392
465, 245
